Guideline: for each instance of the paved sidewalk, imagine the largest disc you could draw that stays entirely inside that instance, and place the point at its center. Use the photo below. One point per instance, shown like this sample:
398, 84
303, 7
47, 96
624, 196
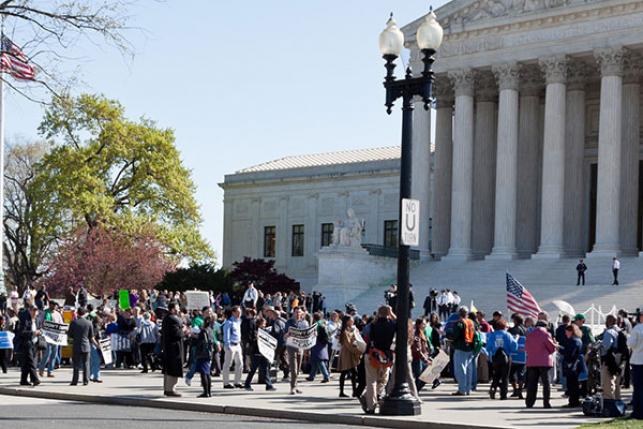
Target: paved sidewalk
319, 402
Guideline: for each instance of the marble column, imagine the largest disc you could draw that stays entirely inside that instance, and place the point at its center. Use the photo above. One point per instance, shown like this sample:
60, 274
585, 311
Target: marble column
312, 231
421, 172
484, 165
553, 177
630, 153
257, 227
574, 237
610, 143
283, 236
462, 172
529, 161
443, 163
504, 245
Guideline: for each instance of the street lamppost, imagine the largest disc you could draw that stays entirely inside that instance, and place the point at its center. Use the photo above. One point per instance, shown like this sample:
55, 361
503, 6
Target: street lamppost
428, 38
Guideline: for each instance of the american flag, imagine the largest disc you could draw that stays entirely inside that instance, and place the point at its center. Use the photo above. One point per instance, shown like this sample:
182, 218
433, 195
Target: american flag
14, 61
519, 300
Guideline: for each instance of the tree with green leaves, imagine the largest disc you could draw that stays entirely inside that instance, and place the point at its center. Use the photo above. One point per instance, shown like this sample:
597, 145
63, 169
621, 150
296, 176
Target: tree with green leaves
107, 170
202, 276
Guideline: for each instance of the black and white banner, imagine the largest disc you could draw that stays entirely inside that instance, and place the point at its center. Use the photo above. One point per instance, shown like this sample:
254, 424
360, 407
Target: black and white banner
106, 350
55, 333
302, 339
267, 344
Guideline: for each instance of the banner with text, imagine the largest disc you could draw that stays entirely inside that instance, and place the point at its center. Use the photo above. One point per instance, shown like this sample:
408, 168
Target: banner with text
106, 350
55, 333
433, 371
267, 344
302, 339
197, 299
6, 340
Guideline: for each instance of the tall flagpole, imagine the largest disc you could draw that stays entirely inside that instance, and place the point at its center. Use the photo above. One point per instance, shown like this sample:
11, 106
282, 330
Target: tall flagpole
2, 286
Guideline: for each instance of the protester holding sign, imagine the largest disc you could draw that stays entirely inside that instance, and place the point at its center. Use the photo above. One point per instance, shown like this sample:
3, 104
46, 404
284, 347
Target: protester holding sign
259, 361
294, 342
48, 360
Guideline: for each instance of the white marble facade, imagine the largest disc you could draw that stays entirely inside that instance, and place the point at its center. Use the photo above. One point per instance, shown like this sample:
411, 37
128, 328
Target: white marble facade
309, 191
538, 128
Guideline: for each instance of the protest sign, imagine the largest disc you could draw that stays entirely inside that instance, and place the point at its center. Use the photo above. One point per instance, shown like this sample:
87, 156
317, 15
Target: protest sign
123, 299
6, 340
302, 339
432, 372
55, 333
267, 344
106, 350
196, 300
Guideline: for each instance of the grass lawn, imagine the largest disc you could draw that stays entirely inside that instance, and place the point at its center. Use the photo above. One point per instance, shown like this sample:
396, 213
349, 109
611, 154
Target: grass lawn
615, 424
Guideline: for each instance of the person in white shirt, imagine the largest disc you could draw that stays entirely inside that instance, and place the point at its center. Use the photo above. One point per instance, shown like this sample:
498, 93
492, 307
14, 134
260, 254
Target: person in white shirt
250, 296
635, 343
616, 265
443, 304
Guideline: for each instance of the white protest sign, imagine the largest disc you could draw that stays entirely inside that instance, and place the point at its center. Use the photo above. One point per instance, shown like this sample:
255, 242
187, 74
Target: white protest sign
410, 222
267, 344
432, 372
302, 339
106, 350
197, 299
55, 333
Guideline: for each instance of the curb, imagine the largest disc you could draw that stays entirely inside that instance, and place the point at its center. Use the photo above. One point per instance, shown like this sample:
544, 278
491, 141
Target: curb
343, 419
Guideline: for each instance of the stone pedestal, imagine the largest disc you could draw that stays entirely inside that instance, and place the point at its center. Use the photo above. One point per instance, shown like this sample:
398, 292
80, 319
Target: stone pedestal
347, 272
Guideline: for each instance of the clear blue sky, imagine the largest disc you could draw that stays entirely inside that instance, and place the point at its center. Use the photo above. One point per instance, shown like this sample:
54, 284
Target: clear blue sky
244, 82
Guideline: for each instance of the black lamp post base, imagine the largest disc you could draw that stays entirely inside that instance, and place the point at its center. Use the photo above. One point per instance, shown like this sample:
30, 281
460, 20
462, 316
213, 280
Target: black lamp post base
405, 405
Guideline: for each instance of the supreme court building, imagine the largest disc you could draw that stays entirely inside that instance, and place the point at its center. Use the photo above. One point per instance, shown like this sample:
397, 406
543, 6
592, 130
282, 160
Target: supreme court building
538, 125
536, 151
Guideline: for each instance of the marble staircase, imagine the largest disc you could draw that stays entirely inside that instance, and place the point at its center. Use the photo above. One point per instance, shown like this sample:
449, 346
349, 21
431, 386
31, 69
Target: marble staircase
483, 282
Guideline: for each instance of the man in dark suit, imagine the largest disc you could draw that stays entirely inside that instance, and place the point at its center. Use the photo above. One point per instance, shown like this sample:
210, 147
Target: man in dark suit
81, 332
26, 335
172, 349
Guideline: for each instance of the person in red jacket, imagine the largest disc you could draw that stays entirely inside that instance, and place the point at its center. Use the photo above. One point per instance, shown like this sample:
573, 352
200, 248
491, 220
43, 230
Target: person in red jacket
540, 348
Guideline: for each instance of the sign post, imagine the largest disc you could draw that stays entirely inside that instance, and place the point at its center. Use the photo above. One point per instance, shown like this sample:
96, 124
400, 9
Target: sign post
410, 222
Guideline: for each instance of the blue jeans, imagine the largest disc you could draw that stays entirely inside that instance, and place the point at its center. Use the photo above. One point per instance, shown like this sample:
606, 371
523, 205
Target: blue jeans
259, 363
463, 368
318, 366
418, 367
94, 363
49, 358
192, 369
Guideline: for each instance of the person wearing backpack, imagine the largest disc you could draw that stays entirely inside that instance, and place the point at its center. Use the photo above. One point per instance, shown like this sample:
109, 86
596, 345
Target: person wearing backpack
319, 352
464, 334
500, 345
613, 350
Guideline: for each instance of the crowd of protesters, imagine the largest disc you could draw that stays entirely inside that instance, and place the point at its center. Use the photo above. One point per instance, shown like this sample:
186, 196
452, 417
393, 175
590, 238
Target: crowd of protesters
158, 332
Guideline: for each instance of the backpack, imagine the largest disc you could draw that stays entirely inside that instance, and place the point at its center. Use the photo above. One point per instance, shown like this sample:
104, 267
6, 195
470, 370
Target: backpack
621, 346
449, 327
477, 342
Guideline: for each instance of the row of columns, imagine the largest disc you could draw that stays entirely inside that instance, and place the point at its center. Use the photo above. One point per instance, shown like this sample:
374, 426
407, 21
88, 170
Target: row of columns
499, 170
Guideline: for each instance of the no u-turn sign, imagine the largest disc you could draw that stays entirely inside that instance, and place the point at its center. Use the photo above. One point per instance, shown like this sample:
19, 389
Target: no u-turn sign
410, 222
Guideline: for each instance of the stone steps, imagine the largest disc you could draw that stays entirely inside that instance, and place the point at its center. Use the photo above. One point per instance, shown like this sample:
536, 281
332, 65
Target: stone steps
548, 280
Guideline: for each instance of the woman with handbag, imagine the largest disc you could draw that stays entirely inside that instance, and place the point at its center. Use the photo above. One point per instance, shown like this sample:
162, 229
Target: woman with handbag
573, 363
351, 348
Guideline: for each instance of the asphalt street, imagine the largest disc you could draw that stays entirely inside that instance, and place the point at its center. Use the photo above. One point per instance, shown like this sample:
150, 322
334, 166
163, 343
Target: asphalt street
30, 413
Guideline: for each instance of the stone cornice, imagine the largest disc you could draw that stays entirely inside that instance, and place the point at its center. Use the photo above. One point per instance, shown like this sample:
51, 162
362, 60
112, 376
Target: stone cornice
610, 60
524, 30
463, 81
507, 75
554, 68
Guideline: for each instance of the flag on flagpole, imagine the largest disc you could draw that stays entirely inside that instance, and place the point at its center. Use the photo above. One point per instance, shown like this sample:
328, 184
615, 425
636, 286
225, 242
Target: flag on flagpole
519, 300
14, 61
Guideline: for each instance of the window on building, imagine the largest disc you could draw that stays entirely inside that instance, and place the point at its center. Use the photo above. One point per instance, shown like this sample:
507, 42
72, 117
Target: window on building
297, 240
269, 241
327, 234
390, 233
